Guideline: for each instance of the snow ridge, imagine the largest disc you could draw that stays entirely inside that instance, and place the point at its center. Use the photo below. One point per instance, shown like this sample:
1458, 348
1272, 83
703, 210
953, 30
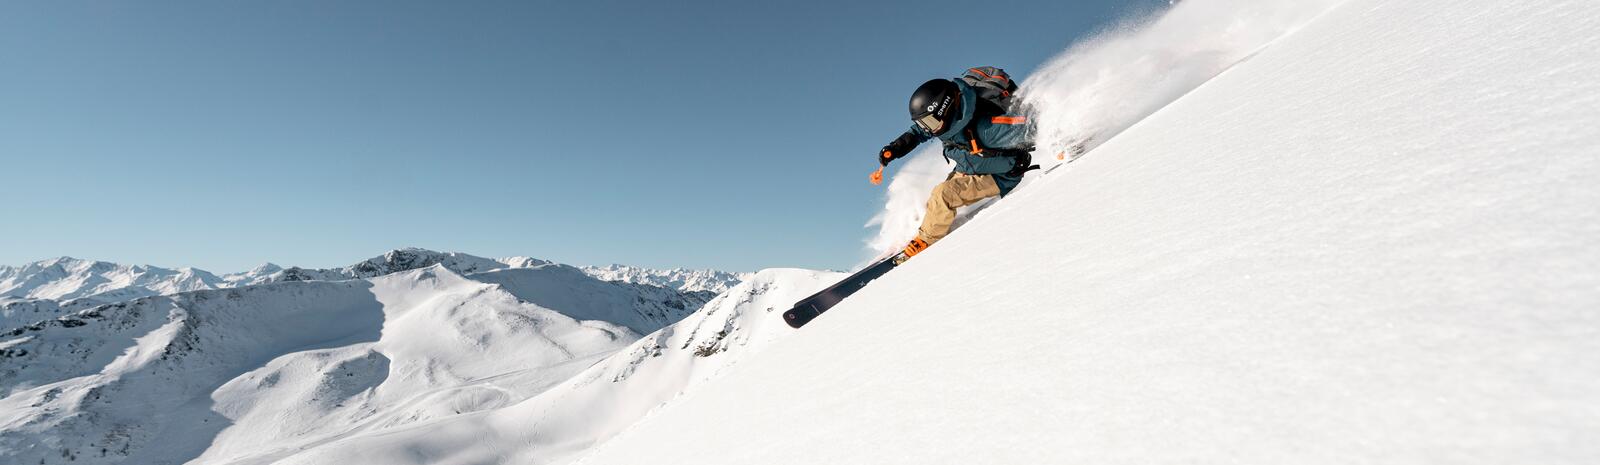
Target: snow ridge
405, 259
68, 278
50, 288
713, 281
606, 398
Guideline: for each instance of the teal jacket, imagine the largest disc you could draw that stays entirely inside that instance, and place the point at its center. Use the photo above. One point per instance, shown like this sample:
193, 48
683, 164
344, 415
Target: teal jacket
1004, 141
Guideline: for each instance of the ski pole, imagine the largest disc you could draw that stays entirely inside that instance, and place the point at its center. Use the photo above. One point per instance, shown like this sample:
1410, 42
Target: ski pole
877, 176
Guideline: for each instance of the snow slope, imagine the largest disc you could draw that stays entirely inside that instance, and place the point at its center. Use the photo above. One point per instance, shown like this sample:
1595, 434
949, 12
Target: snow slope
603, 400
1372, 241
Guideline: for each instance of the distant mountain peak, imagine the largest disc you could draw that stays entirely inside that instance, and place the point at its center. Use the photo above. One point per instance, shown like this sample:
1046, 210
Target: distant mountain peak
682, 279
266, 268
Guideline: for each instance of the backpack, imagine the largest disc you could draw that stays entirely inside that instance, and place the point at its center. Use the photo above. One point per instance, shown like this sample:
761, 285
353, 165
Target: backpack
992, 84
995, 88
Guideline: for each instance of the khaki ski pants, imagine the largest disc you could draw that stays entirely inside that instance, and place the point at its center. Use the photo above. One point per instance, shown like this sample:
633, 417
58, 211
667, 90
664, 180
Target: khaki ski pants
956, 191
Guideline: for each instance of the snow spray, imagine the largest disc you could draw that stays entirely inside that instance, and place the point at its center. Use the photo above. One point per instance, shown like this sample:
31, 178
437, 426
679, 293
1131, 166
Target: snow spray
1103, 85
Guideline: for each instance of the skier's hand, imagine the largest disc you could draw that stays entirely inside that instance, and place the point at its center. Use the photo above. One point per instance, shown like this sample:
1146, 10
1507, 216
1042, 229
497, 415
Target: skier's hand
900, 146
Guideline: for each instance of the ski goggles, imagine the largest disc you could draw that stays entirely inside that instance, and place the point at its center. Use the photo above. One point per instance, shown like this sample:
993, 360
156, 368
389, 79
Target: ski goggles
931, 123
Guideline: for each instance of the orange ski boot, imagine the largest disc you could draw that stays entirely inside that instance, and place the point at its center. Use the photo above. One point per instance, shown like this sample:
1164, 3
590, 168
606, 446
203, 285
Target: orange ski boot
912, 249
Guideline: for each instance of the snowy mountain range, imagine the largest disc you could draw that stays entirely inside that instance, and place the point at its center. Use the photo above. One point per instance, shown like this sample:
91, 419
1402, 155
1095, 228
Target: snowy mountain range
68, 278
48, 288
713, 281
235, 375
141, 364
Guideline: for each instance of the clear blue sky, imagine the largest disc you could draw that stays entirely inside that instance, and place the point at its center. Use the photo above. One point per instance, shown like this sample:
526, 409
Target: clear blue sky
723, 134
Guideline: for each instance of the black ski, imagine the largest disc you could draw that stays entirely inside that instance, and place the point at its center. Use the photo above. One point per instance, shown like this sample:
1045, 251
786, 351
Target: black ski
808, 308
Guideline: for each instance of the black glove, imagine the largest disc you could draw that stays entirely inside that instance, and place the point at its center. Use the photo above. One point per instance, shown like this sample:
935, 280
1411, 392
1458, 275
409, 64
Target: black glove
900, 147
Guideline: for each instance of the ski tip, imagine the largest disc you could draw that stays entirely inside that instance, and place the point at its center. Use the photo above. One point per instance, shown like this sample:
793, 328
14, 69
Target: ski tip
794, 319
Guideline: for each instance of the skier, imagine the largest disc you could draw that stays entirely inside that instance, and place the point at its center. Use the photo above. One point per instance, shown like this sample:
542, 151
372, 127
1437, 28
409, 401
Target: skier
989, 145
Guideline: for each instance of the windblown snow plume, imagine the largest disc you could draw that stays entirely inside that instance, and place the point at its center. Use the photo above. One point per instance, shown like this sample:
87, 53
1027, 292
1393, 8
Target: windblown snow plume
1105, 84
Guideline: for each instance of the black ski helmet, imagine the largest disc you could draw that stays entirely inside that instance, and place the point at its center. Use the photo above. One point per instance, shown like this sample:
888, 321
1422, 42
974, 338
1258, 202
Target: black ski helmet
935, 105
